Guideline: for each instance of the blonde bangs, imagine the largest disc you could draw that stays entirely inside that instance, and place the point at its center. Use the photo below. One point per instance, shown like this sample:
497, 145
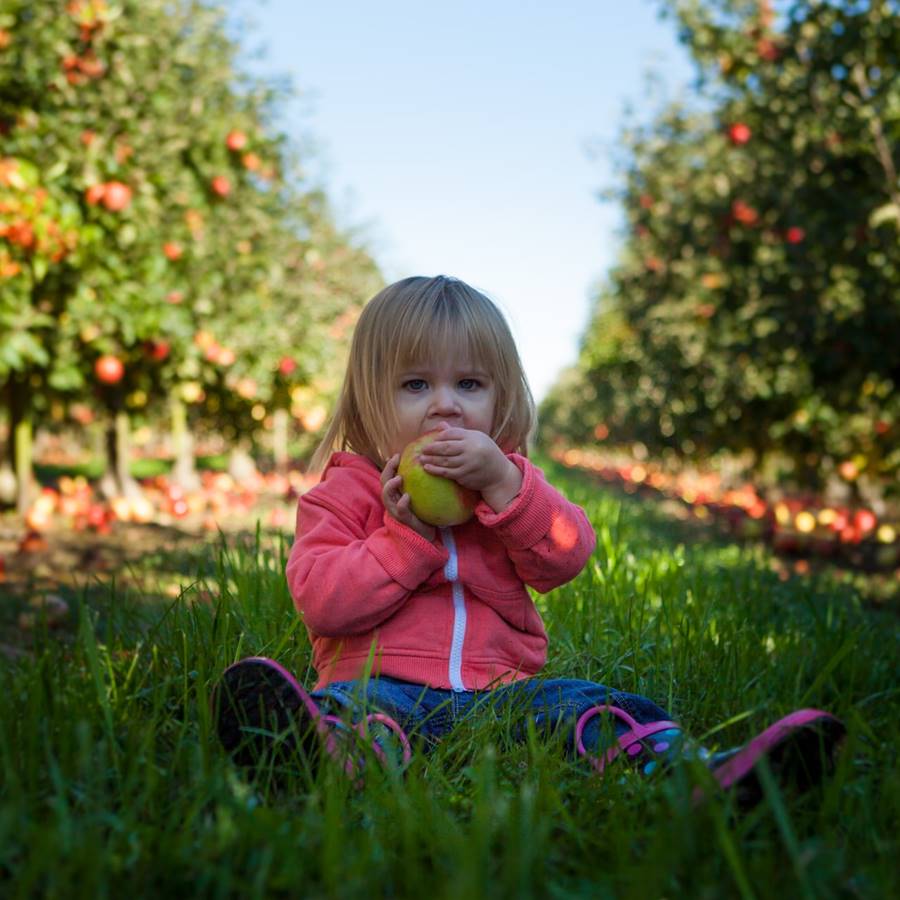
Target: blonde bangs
416, 320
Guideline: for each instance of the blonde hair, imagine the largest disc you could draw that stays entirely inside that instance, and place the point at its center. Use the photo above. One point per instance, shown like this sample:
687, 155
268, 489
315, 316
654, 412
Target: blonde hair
410, 321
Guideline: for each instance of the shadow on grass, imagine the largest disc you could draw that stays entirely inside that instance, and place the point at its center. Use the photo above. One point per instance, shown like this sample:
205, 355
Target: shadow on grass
144, 567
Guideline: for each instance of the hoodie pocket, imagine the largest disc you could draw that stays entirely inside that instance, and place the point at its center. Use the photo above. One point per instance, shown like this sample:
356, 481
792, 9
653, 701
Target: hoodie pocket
487, 572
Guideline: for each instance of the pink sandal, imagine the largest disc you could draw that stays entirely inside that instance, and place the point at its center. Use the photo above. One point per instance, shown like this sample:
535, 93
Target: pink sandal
260, 709
800, 748
634, 743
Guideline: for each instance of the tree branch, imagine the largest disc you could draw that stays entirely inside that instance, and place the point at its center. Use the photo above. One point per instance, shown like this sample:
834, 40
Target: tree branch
881, 145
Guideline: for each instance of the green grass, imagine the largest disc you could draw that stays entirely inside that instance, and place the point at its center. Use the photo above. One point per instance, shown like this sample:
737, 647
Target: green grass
112, 784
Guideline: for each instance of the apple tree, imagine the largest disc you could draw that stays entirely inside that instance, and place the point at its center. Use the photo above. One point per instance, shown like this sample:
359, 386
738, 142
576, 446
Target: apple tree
755, 302
178, 207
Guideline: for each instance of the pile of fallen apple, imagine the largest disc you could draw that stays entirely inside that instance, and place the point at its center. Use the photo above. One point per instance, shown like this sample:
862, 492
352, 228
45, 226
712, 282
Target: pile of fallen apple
801, 527
75, 504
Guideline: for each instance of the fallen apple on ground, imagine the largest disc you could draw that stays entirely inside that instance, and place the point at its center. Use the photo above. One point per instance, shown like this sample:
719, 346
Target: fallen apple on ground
434, 499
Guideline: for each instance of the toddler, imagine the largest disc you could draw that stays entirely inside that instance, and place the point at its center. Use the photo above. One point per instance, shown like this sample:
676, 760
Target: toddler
414, 627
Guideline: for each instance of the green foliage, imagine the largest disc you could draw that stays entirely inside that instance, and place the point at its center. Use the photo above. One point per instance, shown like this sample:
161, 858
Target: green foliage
152, 200
112, 781
756, 302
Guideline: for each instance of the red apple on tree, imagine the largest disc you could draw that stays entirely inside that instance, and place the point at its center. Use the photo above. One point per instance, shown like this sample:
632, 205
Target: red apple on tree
109, 369
157, 350
743, 212
94, 194
767, 50
172, 250
739, 134
252, 163
21, 233
795, 235
221, 185
116, 196
287, 365
236, 140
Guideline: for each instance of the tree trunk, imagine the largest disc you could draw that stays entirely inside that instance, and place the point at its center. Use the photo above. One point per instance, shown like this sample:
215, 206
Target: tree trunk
241, 466
184, 471
9, 485
23, 441
97, 439
20, 449
281, 419
117, 480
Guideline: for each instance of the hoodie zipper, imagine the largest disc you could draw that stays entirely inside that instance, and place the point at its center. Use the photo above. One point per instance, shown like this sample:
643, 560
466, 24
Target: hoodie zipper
451, 573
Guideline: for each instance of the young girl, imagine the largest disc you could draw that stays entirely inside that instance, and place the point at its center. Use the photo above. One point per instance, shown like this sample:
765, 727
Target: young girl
414, 627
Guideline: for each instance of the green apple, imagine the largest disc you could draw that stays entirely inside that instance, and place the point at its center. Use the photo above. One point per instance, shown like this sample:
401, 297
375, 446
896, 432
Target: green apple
434, 499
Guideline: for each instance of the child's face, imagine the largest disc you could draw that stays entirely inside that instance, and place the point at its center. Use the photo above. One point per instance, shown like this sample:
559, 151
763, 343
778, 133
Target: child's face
462, 394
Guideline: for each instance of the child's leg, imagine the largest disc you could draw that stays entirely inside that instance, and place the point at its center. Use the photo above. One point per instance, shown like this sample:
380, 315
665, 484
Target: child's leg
800, 748
418, 713
600, 723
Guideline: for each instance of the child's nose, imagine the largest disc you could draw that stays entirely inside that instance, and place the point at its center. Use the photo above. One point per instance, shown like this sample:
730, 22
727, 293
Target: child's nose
444, 400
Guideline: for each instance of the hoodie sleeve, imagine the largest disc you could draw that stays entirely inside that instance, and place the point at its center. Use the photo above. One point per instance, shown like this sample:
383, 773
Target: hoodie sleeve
344, 581
548, 538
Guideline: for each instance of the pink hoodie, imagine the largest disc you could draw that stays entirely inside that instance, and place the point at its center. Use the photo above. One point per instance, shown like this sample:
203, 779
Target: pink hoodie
450, 614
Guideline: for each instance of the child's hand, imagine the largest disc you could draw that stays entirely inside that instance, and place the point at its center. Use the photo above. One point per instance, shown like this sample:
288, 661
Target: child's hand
396, 502
472, 459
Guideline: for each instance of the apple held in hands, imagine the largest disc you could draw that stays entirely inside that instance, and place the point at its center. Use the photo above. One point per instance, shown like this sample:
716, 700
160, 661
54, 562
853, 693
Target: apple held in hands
434, 499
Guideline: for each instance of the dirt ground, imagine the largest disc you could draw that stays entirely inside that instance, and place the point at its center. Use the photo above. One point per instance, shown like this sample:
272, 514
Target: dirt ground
43, 575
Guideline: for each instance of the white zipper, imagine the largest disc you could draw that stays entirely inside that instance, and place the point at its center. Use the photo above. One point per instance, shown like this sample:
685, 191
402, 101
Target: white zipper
451, 573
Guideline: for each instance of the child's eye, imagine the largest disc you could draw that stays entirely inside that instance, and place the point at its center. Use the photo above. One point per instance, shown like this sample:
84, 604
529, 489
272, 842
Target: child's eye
415, 384
469, 384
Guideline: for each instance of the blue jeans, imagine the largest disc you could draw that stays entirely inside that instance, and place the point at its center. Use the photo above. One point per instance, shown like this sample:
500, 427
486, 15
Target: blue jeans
426, 714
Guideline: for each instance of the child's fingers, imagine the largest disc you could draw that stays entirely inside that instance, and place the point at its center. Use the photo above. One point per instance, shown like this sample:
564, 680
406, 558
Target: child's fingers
443, 468
439, 456
404, 511
442, 449
390, 468
406, 516
393, 488
449, 436
391, 495
449, 459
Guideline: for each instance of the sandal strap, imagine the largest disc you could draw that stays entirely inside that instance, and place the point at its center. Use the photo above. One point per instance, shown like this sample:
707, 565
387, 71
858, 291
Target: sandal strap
363, 728
636, 733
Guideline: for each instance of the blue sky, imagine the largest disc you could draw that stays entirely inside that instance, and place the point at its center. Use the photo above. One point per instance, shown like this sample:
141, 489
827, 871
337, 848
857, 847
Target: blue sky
455, 137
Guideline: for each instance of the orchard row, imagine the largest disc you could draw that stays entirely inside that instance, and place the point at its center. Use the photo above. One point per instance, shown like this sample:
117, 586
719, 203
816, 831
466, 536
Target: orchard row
163, 254
755, 304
